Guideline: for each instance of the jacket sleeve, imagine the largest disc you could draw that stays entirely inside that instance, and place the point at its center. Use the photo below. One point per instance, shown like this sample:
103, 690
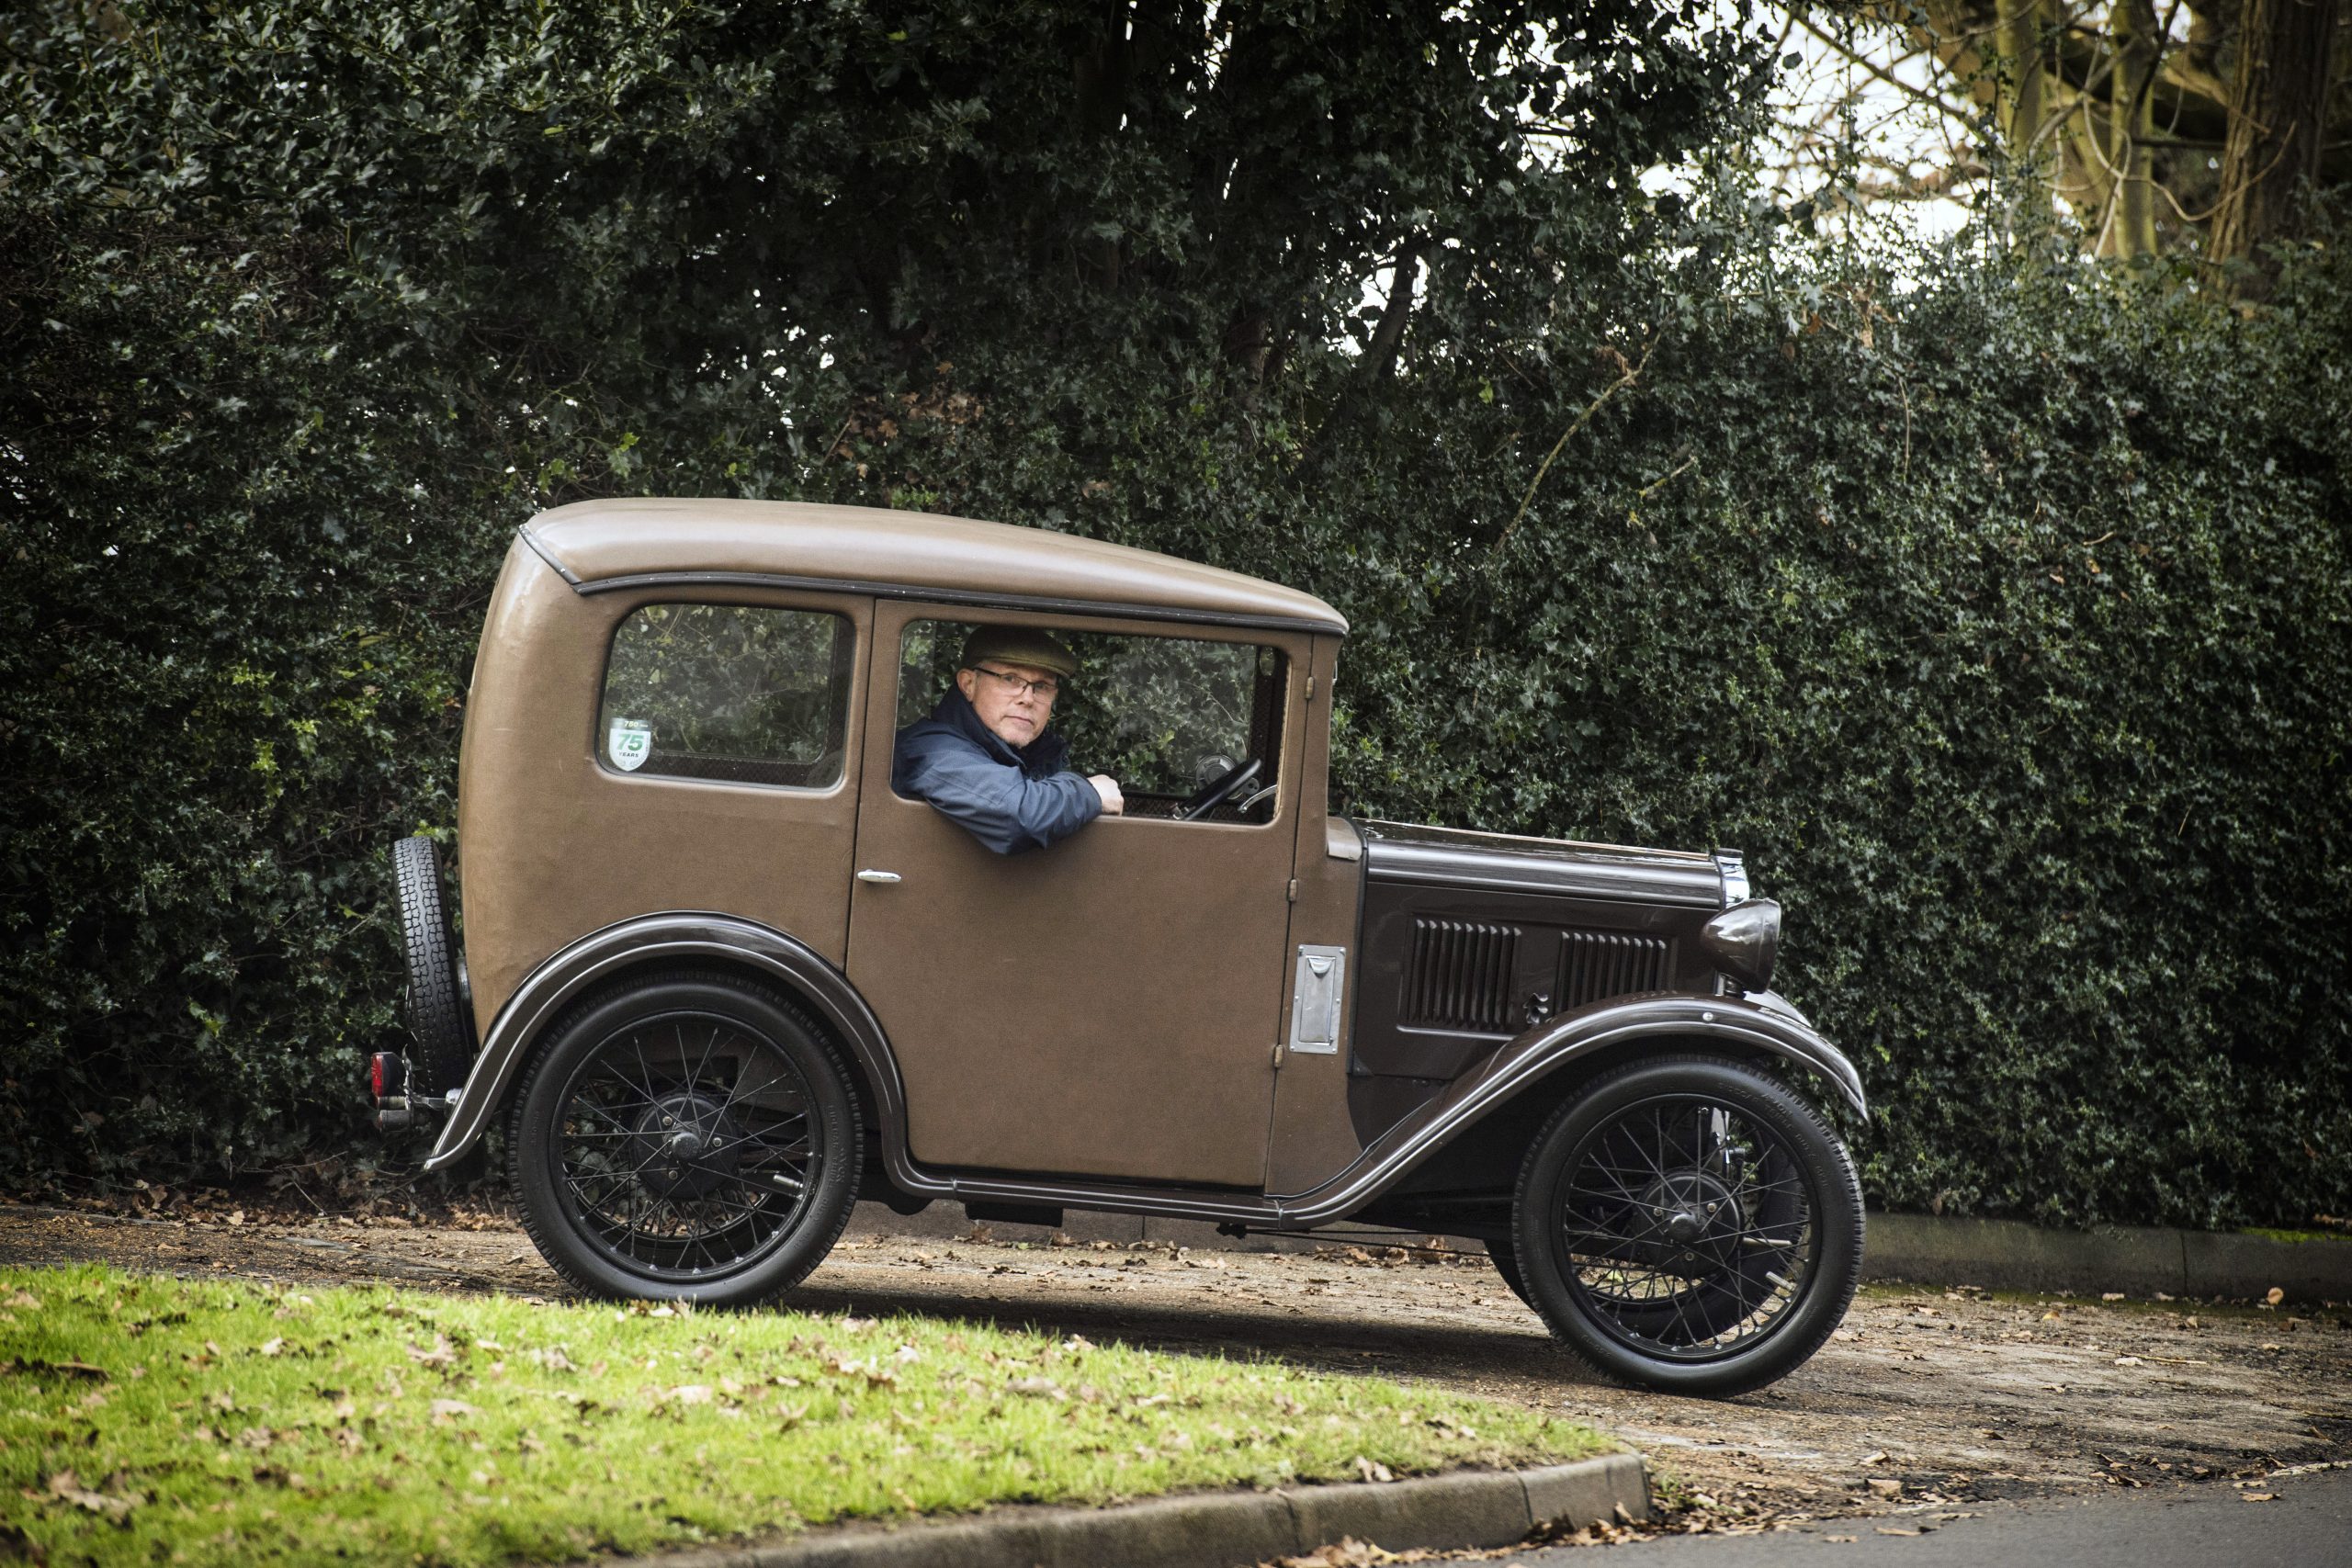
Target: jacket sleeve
1001, 806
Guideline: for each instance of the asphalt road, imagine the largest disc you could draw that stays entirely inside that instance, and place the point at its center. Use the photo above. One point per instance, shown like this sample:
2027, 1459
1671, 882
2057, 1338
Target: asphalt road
2305, 1522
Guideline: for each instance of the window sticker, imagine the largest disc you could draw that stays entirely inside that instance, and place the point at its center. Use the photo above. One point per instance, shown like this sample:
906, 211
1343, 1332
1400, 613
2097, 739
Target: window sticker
629, 744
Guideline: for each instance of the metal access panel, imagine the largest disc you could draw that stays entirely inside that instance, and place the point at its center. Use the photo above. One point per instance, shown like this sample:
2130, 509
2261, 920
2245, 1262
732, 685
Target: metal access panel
1317, 995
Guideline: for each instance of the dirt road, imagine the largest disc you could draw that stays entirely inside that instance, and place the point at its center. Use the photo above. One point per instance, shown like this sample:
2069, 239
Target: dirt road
1926, 1401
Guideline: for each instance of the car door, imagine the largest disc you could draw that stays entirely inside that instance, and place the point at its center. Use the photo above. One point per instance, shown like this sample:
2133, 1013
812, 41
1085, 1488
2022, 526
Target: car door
1107, 1006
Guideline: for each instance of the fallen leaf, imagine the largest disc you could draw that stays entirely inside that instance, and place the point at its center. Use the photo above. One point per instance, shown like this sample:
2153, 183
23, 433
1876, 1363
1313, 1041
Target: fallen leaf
1845, 1539
2274, 1295
690, 1393
66, 1487
273, 1346
1885, 1486
1878, 1458
1373, 1470
2127, 1361
2110, 1295
447, 1410
30, 1302
441, 1353
1894, 1529
2259, 1496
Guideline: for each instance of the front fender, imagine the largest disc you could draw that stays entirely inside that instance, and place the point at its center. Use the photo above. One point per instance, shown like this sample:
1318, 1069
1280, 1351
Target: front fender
674, 936
1760, 1021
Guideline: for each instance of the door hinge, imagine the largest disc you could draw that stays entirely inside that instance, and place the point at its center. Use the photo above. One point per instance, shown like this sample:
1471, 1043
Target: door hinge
1310, 688
1278, 1056
1293, 889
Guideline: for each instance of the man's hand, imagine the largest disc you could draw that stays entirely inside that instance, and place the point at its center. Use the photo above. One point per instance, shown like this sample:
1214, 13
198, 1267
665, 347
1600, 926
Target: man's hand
1114, 803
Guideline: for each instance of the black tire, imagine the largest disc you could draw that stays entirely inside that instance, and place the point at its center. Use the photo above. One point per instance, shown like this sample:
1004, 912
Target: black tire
440, 1019
685, 1137
1688, 1224
1506, 1261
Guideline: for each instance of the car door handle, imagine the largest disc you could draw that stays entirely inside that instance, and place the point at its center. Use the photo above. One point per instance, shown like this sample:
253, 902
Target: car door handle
883, 876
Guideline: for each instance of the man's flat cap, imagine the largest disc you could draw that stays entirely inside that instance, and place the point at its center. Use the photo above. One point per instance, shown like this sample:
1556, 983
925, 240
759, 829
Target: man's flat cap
1019, 644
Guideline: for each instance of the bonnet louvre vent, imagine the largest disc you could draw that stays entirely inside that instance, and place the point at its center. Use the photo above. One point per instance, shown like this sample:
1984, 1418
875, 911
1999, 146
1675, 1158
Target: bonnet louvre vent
1598, 964
1459, 976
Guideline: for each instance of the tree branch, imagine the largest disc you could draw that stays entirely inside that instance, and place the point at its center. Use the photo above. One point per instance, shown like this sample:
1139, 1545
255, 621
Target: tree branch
1633, 373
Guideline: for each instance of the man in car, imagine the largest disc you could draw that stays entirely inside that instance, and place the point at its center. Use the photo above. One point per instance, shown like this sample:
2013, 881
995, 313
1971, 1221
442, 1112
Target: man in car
984, 757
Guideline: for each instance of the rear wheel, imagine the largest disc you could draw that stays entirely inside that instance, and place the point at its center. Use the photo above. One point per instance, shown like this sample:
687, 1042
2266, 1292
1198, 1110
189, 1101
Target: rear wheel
1688, 1224
688, 1137
440, 1017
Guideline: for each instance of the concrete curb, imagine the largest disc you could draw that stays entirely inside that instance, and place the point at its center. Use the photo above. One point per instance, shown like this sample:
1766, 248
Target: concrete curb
2139, 1260
1223, 1529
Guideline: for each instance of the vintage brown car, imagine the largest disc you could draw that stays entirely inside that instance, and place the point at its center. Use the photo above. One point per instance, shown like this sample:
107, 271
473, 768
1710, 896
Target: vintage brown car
725, 981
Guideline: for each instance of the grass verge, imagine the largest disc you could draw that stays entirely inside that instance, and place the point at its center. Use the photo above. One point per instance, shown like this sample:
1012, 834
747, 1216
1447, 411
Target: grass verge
148, 1419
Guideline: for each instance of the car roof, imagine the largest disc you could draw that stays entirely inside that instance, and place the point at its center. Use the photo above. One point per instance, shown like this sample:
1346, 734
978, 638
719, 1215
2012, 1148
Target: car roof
607, 545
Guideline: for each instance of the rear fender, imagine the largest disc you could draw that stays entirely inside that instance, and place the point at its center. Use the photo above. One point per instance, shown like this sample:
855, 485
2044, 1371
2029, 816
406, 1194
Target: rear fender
678, 937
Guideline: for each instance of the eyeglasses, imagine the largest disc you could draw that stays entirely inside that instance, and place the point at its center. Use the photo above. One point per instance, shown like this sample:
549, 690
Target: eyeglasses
1047, 689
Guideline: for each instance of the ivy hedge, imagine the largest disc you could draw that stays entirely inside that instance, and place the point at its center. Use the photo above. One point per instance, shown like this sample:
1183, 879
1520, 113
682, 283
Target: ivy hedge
1995, 603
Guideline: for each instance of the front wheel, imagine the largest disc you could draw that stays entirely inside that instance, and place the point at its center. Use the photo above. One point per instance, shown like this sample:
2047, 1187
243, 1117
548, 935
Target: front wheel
1688, 1224
687, 1137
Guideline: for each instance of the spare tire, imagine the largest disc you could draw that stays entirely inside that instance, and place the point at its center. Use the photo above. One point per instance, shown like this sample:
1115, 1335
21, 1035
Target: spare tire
439, 1011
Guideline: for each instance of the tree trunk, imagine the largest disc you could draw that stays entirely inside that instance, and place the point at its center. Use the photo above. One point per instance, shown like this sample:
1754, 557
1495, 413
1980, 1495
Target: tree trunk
2130, 229
2278, 117
2025, 75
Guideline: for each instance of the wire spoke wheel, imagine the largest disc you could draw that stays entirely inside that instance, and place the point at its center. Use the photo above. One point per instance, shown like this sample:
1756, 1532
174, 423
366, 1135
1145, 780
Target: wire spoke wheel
1689, 1224
685, 1145
690, 1137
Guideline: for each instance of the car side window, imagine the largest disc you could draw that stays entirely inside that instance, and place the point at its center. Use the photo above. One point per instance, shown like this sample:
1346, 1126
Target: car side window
743, 693
1167, 716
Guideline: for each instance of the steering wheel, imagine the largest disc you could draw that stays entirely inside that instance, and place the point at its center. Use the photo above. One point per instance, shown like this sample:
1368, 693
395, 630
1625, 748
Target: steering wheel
1218, 791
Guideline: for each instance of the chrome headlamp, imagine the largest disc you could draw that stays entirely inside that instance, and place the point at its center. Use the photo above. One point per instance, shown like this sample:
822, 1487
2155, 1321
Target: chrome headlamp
1743, 940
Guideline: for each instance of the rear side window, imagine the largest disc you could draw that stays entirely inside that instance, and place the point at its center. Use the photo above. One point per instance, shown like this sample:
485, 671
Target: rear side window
739, 692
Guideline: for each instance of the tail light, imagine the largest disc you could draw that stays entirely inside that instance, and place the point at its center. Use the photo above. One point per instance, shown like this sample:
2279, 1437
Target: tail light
386, 1074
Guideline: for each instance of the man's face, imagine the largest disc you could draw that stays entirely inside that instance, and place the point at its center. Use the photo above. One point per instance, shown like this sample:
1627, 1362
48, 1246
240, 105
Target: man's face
1014, 709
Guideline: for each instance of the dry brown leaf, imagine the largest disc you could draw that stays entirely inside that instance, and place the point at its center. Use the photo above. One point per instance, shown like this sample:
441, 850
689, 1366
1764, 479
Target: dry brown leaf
441, 1353
2259, 1496
1373, 1470
2274, 1295
447, 1410
66, 1487
273, 1346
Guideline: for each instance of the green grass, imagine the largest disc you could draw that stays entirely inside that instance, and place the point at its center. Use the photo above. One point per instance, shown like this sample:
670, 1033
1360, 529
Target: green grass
147, 1419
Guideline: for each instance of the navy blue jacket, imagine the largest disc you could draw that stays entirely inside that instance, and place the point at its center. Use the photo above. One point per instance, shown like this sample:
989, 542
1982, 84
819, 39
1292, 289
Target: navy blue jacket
1010, 799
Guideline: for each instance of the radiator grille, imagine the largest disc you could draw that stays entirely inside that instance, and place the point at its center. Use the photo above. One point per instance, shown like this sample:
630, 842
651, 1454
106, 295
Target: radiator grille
1595, 965
1459, 976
